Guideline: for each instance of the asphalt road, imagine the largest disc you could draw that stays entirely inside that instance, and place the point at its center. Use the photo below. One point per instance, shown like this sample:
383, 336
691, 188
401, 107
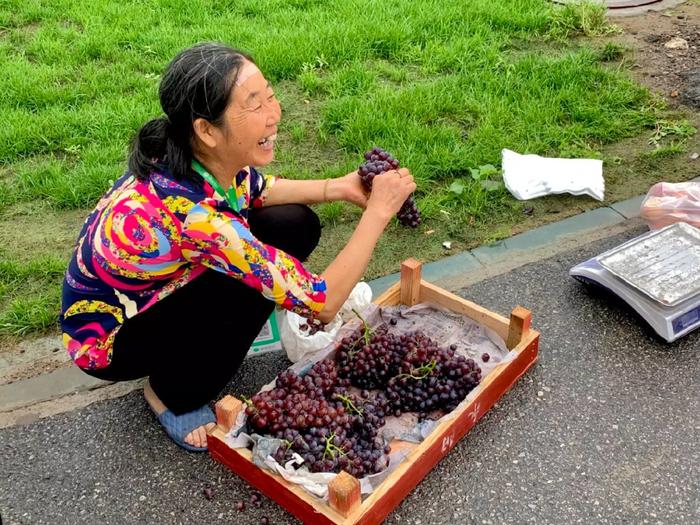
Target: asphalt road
604, 429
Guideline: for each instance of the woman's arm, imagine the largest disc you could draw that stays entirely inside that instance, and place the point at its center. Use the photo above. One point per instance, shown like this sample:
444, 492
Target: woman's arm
220, 240
214, 237
388, 194
347, 188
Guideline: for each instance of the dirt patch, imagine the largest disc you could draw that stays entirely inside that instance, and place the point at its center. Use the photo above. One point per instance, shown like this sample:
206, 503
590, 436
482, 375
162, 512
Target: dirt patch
665, 70
31, 230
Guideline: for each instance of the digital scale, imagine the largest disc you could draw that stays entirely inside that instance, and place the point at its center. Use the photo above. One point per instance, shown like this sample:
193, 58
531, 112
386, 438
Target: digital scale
657, 274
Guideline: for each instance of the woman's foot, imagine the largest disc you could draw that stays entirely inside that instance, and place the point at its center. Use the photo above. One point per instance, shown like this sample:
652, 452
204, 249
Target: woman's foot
196, 438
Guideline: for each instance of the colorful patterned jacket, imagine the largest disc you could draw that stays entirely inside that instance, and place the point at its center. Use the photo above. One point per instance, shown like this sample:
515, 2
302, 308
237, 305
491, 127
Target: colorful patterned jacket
146, 239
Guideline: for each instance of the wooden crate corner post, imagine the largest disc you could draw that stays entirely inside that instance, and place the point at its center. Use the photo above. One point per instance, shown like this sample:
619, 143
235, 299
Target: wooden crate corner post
227, 410
410, 282
344, 493
519, 326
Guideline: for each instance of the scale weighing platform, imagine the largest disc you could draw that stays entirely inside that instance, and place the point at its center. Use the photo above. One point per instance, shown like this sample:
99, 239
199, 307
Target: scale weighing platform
657, 274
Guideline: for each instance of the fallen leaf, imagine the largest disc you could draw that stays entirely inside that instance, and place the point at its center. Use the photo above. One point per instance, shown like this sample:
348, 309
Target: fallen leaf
429, 232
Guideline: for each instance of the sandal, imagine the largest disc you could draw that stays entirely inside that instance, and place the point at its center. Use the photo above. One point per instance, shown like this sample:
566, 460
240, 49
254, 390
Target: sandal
177, 427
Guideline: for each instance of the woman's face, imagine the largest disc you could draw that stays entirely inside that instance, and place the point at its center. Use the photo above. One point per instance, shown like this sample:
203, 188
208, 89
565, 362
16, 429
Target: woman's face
250, 121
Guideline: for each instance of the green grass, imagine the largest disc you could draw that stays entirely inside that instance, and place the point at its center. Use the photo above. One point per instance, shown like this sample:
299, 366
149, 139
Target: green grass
581, 18
443, 85
29, 294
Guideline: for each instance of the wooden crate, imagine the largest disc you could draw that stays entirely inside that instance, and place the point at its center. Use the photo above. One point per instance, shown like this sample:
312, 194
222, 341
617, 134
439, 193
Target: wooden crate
345, 505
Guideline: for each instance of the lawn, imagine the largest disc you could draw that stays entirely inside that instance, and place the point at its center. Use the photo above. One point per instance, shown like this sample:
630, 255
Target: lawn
442, 85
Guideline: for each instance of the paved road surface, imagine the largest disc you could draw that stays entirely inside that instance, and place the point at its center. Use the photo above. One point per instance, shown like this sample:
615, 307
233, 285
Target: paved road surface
604, 429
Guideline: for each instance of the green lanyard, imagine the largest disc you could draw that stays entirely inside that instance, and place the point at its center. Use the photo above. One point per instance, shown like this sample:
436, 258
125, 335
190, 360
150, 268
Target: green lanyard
230, 195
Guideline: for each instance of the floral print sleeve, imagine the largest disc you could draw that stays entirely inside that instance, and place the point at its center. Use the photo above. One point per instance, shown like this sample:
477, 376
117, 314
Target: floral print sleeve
215, 237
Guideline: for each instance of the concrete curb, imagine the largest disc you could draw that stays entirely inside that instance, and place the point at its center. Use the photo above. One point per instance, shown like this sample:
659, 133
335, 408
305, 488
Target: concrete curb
39, 396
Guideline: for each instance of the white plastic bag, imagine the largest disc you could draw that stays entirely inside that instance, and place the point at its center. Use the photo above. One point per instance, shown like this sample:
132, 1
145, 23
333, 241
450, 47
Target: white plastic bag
298, 343
360, 297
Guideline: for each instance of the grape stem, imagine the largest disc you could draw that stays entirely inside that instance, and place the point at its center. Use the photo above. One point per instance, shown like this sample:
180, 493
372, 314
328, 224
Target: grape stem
424, 371
349, 405
331, 449
368, 330
249, 402
351, 350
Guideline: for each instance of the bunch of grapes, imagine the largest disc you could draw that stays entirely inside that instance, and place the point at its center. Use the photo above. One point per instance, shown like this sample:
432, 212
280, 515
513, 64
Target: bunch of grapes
312, 326
417, 374
316, 417
378, 161
431, 377
333, 426
369, 361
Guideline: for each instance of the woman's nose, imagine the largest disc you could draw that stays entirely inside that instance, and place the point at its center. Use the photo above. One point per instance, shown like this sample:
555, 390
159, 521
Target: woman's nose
274, 114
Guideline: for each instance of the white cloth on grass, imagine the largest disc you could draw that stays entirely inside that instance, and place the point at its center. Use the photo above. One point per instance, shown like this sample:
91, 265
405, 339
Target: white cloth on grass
532, 176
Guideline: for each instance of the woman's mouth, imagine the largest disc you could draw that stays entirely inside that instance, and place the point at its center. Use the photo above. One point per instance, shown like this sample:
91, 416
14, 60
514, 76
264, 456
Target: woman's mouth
268, 142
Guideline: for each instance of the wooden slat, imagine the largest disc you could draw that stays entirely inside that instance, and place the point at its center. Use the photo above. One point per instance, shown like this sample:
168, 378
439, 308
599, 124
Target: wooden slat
291, 497
410, 282
430, 293
391, 296
520, 320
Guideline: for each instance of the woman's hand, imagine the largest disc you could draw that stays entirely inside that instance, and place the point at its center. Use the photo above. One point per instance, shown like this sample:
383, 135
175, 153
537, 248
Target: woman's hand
389, 191
348, 188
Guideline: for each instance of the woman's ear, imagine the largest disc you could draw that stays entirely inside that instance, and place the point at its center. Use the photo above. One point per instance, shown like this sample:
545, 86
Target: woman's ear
205, 132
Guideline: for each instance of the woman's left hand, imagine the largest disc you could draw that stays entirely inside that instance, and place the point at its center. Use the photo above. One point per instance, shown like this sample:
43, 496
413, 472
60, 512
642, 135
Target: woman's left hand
349, 188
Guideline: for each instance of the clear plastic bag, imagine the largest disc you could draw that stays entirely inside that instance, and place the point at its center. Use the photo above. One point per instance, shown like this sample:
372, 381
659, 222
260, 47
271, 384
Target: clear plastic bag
667, 203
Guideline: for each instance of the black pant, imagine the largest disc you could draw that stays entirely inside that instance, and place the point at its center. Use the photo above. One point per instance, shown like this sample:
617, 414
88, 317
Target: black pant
191, 343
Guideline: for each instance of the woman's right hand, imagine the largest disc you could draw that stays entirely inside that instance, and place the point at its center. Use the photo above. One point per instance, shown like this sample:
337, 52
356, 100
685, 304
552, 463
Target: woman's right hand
389, 191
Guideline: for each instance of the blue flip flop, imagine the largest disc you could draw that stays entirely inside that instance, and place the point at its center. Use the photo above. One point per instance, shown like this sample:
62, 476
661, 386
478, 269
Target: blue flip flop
177, 427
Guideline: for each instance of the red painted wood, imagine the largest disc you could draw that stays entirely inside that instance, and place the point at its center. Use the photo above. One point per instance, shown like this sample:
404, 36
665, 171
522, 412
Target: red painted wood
420, 467
268, 485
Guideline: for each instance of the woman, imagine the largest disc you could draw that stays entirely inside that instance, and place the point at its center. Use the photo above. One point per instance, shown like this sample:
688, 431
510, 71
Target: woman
183, 260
